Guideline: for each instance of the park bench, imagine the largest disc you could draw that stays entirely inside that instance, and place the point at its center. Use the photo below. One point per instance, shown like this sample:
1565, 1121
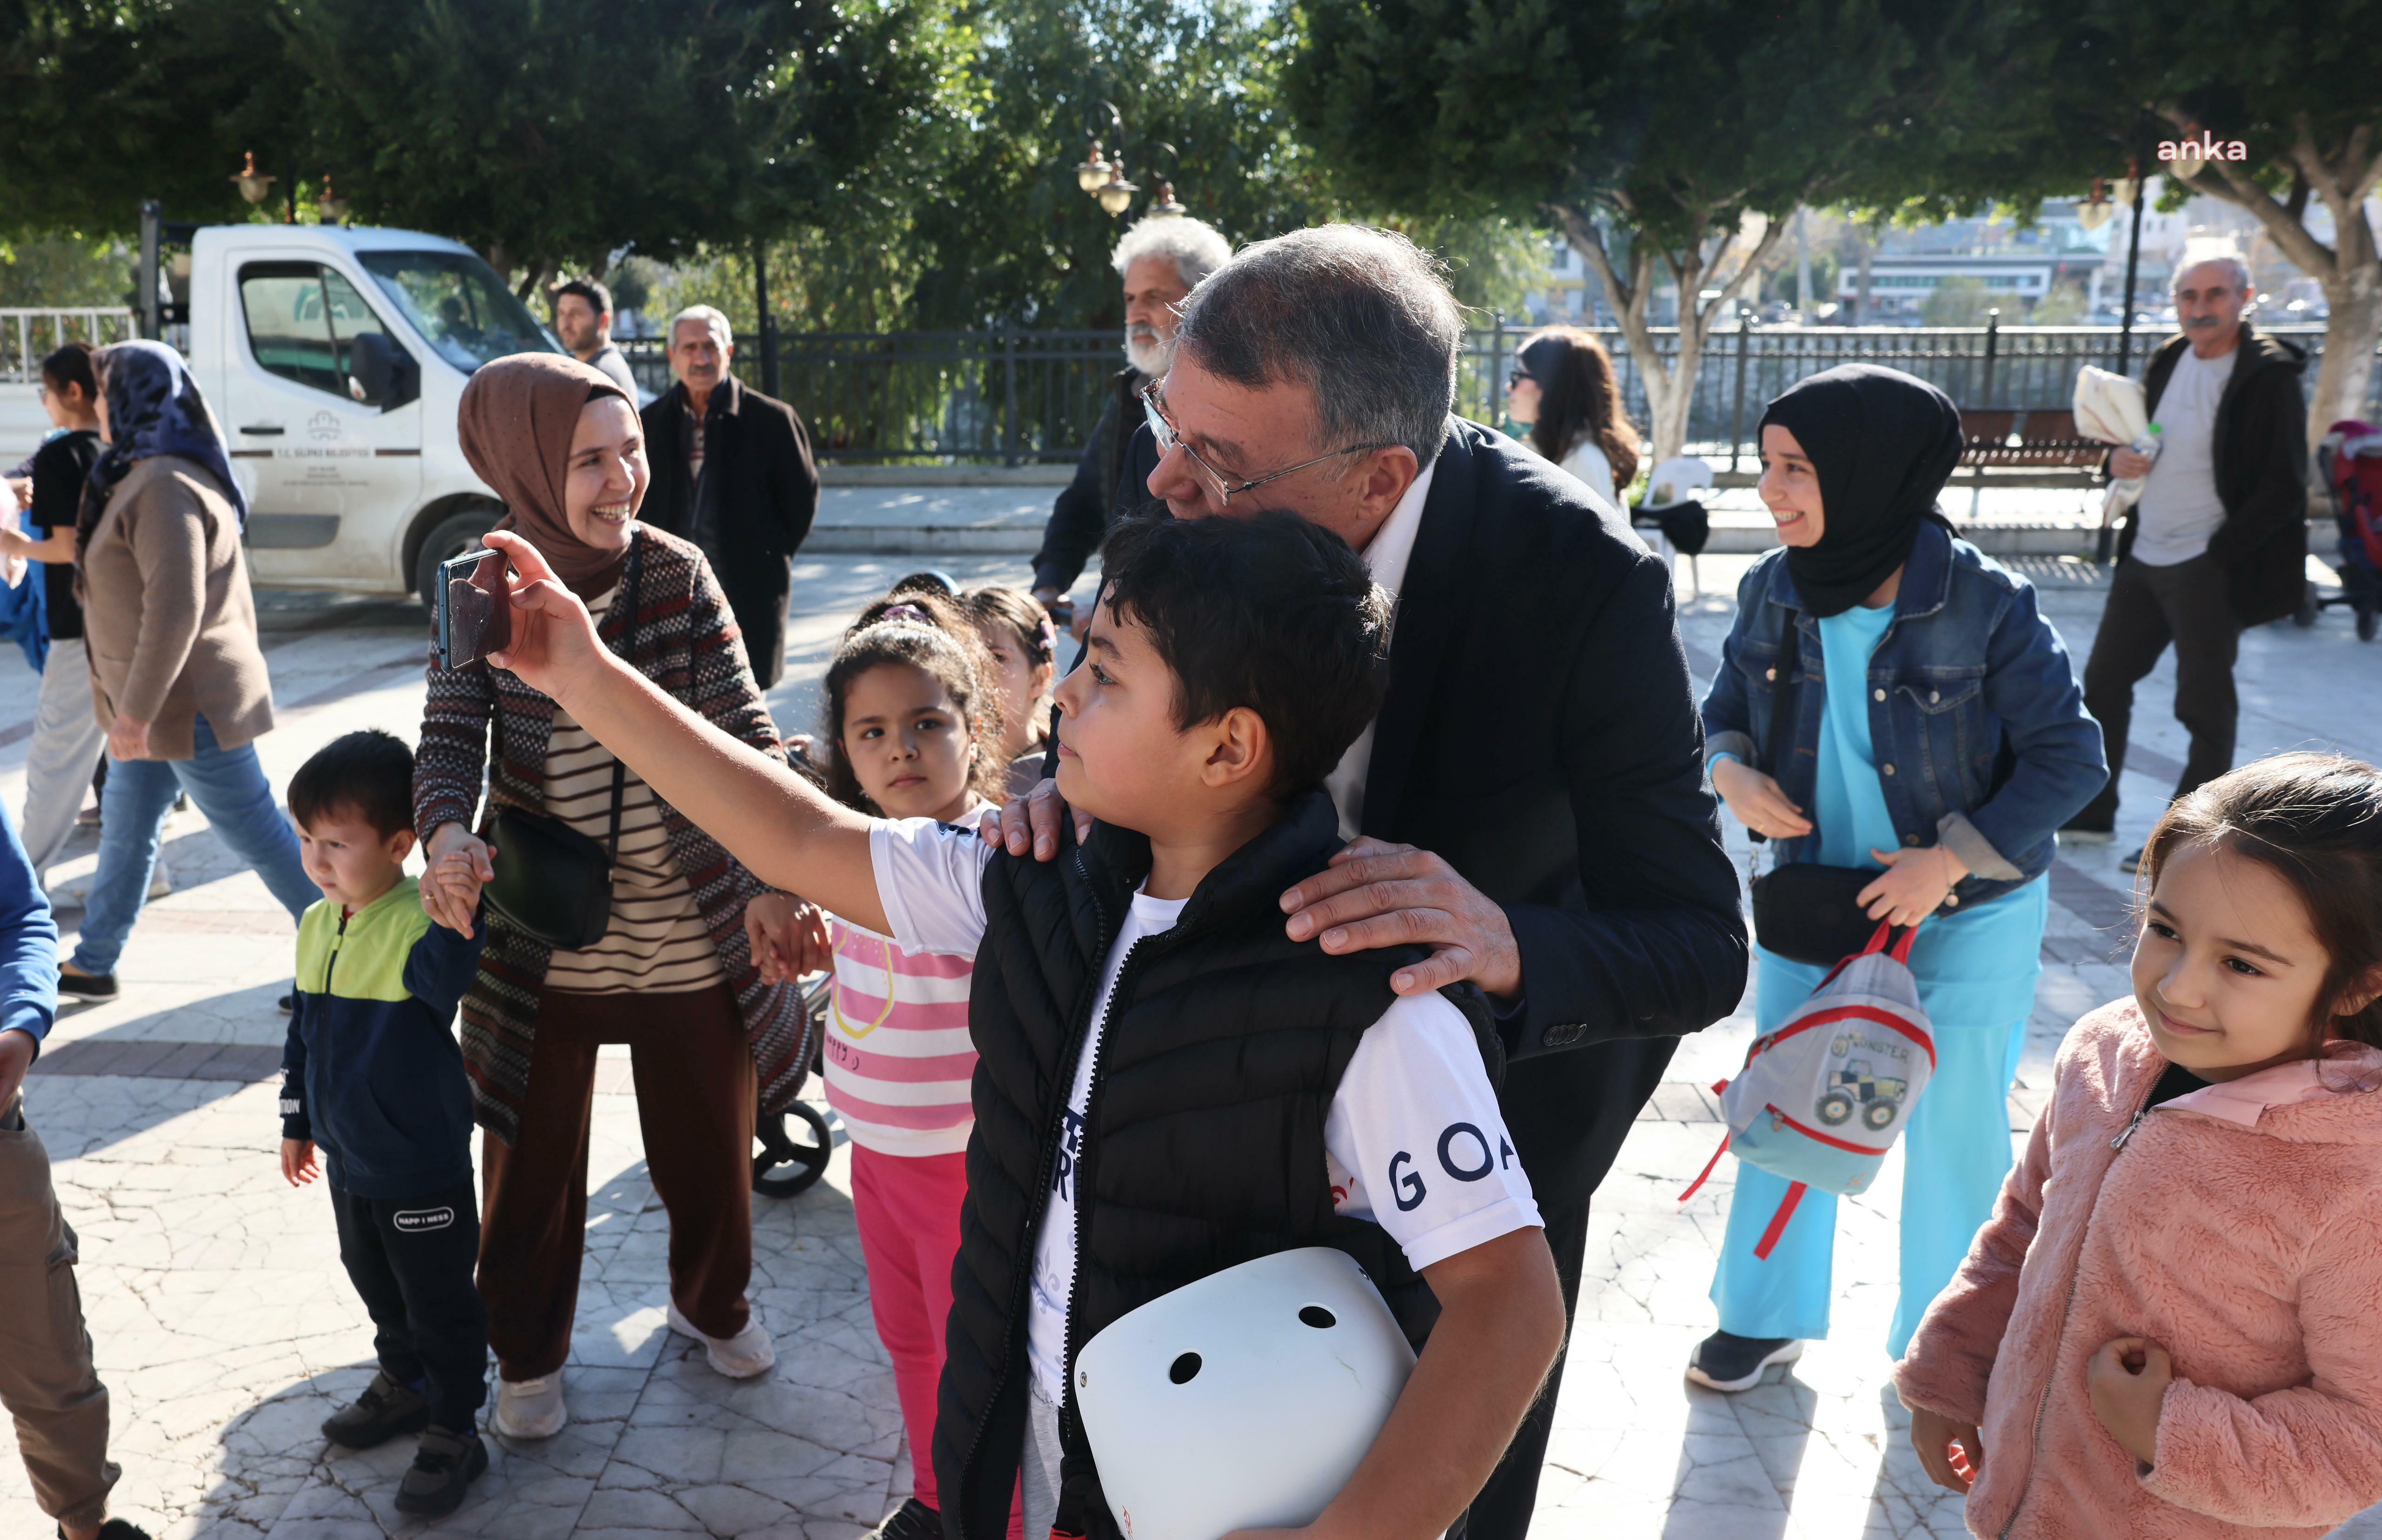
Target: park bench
2027, 439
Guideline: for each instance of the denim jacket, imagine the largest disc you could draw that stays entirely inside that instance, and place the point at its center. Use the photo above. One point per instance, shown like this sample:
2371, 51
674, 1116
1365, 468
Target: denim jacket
1983, 741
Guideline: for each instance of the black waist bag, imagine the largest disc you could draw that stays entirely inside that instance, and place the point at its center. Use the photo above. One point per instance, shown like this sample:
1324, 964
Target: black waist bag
1803, 911
554, 883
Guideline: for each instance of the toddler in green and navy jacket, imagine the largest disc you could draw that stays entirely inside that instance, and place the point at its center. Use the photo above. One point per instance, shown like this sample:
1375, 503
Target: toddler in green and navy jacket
372, 1074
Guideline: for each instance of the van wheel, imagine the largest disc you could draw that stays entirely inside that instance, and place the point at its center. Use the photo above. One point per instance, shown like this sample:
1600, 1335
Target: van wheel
449, 539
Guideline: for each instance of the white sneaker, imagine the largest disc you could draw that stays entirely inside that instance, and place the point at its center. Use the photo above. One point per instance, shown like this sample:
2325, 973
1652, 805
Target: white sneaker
530, 1409
739, 1357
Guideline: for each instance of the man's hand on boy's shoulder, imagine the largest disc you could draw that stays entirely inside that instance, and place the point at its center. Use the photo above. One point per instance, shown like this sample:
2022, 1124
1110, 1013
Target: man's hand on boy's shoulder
1376, 894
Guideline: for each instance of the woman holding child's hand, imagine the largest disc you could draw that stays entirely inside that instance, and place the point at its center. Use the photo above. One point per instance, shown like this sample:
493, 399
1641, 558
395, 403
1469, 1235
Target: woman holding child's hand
714, 1031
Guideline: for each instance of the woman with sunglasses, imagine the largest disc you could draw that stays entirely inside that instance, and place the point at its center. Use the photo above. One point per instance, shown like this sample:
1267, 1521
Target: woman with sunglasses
1563, 389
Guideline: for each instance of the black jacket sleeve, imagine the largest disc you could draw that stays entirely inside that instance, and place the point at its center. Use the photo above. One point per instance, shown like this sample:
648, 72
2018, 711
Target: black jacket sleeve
2269, 447
295, 1123
1079, 516
793, 480
1655, 945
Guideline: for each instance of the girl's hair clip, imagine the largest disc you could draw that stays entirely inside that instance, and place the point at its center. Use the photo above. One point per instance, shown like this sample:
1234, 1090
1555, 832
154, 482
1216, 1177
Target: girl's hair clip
905, 613
1049, 636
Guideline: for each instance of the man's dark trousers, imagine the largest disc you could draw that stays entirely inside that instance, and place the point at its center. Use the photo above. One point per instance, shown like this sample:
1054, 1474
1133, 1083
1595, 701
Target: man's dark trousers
1506, 1504
412, 1261
2150, 607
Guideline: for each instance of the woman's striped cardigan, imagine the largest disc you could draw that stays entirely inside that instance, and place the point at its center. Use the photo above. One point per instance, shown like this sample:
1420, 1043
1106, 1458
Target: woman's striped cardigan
687, 642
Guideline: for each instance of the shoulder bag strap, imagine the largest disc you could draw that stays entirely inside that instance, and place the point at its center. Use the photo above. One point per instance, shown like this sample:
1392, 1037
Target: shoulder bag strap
629, 650
1781, 711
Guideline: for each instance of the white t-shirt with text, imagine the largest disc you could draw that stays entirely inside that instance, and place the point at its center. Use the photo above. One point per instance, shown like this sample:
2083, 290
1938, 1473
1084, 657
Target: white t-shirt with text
1414, 1141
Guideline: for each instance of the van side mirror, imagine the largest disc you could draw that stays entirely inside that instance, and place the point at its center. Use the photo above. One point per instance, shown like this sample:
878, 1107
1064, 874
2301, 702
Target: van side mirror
381, 373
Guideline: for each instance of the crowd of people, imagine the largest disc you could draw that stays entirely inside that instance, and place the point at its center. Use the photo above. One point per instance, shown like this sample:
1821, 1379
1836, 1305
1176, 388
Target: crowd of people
1351, 889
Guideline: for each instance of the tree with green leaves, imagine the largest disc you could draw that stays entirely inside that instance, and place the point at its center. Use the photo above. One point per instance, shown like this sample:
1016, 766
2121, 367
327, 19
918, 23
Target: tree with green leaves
2296, 88
549, 133
546, 133
104, 102
1668, 143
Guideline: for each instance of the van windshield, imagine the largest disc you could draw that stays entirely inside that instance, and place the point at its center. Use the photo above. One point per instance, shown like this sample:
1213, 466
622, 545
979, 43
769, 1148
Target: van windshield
459, 305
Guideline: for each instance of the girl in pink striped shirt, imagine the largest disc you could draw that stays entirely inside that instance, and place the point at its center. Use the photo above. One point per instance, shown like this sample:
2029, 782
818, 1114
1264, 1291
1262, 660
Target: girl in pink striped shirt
912, 731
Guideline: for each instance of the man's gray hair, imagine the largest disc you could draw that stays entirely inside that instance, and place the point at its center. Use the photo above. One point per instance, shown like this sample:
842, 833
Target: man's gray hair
2235, 270
1196, 247
712, 319
1361, 317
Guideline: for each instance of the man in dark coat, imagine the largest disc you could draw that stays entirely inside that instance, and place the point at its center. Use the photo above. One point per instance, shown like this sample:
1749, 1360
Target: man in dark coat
1531, 801
2217, 541
1160, 260
731, 471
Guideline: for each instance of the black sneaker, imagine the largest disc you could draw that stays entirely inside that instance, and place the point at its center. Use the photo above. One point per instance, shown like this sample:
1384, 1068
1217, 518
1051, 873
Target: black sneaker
289, 1003
446, 1464
115, 1529
2132, 864
1727, 1362
2082, 832
911, 1520
87, 986
384, 1411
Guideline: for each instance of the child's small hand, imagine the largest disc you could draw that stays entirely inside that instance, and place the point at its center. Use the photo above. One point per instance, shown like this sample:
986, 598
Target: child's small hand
1913, 885
297, 1166
1951, 1452
788, 937
2128, 1378
1758, 802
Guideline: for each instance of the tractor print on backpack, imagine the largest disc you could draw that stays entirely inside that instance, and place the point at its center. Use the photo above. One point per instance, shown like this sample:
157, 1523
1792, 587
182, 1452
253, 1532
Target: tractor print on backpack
1860, 1085
1826, 1057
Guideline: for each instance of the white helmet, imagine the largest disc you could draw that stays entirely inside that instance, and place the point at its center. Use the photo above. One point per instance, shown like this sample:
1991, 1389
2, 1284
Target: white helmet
1246, 1399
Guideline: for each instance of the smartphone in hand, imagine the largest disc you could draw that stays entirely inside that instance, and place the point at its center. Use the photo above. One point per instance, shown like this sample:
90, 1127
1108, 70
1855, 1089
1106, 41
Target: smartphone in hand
475, 614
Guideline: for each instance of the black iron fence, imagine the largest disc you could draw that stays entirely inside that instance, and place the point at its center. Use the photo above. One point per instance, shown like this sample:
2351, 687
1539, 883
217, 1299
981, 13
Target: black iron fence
1020, 396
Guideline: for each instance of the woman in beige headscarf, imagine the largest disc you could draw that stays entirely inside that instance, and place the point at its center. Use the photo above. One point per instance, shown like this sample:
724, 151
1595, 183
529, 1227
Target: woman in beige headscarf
672, 976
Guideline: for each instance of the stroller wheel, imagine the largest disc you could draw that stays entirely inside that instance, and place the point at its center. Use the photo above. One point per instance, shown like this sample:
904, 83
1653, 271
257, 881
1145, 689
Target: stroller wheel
803, 1161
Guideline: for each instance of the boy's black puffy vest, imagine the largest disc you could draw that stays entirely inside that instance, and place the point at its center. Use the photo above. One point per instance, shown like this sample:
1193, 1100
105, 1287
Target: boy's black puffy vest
1225, 1041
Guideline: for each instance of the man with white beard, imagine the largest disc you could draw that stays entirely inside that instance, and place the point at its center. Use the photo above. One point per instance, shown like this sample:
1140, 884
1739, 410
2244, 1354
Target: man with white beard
1162, 259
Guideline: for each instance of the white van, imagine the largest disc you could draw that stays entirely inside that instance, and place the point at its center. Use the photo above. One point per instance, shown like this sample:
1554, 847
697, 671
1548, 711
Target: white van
335, 358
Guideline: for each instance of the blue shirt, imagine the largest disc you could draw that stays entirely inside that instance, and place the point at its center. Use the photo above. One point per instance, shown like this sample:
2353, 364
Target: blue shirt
28, 942
1979, 962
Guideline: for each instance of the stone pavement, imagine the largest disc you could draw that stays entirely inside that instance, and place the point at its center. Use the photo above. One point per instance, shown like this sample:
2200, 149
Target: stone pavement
226, 1330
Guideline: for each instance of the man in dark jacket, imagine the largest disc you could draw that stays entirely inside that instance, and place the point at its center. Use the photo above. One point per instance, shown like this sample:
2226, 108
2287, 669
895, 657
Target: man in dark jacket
731, 471
1530, 801
1159, 260
2218, 540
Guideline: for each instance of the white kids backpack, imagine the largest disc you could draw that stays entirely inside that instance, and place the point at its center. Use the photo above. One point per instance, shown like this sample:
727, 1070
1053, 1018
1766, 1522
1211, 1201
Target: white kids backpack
1821, 1099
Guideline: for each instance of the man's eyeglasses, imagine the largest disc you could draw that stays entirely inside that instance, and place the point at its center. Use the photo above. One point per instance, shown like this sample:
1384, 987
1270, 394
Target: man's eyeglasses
1220, 488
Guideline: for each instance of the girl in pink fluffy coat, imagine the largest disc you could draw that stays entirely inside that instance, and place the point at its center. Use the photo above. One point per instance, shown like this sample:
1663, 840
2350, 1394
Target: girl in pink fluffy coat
2172, 1325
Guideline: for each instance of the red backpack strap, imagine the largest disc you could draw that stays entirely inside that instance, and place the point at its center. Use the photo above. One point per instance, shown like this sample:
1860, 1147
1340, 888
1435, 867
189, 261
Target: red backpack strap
1707, 1171
1761, 1249
1901, 953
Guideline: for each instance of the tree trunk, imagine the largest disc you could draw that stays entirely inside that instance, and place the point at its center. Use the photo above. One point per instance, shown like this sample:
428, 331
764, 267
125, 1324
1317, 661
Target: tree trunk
1670, 385
2349, 337
2344, 175
1861, 298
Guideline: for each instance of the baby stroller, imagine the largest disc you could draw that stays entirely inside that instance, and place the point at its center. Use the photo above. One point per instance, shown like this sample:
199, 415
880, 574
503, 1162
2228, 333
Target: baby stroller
2349, 459
788, 1166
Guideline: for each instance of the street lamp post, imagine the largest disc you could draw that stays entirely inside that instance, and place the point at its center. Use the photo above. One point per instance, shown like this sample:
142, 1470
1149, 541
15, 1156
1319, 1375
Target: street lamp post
1104, 178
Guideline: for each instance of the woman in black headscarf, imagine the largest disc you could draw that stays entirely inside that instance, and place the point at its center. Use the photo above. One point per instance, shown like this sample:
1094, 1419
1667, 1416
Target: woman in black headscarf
1895, 716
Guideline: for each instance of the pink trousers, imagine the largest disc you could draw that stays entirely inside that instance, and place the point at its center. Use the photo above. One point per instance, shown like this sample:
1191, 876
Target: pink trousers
907, 1209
